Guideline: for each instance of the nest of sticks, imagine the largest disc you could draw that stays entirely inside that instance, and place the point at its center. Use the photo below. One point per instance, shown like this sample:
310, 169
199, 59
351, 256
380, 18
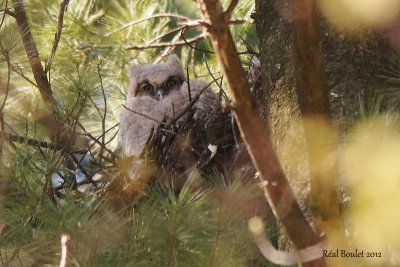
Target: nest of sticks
176, 148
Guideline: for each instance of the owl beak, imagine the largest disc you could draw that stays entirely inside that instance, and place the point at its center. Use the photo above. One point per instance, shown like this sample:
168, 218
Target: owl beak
160, 94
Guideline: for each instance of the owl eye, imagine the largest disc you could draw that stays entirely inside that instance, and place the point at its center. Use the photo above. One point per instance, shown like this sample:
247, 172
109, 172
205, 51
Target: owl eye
171, 83
146, 87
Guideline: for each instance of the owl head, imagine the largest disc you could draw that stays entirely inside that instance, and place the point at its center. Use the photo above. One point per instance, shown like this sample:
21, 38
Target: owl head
156, 80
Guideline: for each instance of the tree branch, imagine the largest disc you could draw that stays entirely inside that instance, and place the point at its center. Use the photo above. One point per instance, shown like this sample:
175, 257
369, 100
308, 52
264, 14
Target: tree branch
278, 192
33, 54
170, 44
32, 142
4, 14
230, 9
57, 36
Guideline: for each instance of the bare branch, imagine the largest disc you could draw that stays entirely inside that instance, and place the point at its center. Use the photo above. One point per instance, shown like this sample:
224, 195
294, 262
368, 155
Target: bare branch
21, 73
7, 56
279, 194
169, 44
201, 22
57, 36
132, 23
4, 14
230, 9
190, 105
32, 142
33, 54
103, 120
194, 46
144, 115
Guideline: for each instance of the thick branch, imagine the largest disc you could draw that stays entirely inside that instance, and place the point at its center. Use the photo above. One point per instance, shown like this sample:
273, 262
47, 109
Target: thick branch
279, 194
33, 54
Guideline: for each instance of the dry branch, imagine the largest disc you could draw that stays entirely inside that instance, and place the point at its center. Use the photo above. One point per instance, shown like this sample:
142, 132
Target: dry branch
57, 36
168, 44
279, 194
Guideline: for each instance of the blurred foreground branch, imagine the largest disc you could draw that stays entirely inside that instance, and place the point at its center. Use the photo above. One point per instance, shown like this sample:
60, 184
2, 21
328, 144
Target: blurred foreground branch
313, 98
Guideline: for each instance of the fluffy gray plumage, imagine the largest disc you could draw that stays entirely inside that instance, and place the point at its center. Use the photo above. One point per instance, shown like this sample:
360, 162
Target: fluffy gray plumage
157, 92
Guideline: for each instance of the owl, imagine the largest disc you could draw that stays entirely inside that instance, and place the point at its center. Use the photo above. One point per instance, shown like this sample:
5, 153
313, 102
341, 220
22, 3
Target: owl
158, 93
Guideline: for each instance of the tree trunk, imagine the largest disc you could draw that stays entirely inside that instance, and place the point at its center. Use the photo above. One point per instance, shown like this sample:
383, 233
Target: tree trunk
351, 64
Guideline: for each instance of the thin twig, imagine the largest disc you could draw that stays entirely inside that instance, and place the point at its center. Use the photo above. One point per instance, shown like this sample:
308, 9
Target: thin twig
194, 46
79, 166
190, 105
21, 73
201, 23
96, 140
132, 23
7, 56
144, 115
4, 14
168, 44
103, 121
189, 91
57, 36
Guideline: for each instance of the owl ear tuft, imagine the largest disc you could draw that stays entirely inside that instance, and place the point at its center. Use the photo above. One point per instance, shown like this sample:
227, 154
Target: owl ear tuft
133, 70
176, 63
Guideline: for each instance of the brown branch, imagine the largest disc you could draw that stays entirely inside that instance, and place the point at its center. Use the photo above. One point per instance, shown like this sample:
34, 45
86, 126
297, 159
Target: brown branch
6, 54
230, 9
144, 115
168, 44
183, 27
279, 194
194, 46
57, 36
201, 22
21, 73
4, 14
32, 142
103, 120
132, 23
96, 140
33, 54
190, 105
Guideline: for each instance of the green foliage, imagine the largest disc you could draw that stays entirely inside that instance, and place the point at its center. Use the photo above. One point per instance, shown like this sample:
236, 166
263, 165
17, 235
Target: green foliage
88, 78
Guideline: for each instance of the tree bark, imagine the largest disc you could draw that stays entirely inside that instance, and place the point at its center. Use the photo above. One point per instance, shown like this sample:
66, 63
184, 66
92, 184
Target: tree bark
254, 134
352, 63
314, 106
